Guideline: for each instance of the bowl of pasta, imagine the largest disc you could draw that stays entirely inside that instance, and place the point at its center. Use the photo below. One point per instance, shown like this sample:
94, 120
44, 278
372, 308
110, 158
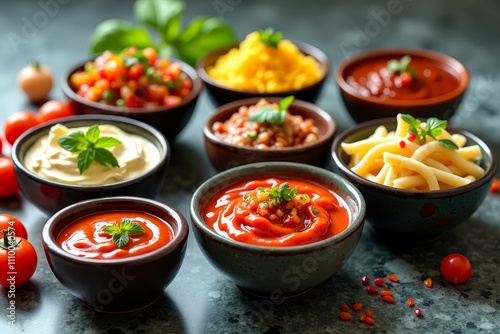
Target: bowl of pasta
419, 178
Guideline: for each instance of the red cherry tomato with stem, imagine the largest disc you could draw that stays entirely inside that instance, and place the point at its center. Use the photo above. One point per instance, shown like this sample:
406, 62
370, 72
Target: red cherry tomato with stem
54, 109
8, 221
8, 185
17, 123
456, 268
18, 268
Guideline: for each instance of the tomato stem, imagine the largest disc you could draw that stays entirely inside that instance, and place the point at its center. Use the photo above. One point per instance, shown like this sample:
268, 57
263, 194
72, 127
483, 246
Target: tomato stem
6, 243
35, 63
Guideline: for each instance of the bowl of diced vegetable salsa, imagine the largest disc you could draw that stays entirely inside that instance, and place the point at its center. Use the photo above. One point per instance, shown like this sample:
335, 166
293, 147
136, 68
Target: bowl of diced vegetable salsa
135, 83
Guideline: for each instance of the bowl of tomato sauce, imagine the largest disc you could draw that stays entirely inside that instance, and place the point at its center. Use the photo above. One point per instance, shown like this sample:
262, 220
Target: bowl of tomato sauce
277, 229
138, 84
384, 82
116, 254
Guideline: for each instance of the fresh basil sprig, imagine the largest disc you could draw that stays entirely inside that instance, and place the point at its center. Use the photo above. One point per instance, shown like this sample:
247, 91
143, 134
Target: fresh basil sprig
401, 66
121, 232
433, 128
90, 147
271, 114
202, 35
270, 38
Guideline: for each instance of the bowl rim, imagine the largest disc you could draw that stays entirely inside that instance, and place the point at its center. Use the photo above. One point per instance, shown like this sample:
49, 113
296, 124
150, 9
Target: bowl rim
226, 179
98, 205
44, 128
313, 108
115, 110
307, 49
445, 61
373, 186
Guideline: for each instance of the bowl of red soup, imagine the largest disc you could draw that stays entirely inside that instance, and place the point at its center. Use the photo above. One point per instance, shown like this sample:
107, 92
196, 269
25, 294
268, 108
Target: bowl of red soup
138, 84
268, 129
277, 229
116, 254
384, 82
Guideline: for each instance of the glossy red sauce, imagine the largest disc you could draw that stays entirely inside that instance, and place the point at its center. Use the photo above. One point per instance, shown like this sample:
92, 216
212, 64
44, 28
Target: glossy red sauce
235, 213
371, 79
85, 237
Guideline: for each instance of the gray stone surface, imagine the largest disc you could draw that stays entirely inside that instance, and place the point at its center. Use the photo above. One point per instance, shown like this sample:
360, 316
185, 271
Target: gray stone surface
200, 300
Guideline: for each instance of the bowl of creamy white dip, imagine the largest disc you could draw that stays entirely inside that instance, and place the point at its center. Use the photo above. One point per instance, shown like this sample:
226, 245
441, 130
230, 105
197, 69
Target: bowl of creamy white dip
49, 175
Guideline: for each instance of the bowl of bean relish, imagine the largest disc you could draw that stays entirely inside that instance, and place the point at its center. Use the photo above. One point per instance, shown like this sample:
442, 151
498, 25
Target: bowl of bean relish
138, 84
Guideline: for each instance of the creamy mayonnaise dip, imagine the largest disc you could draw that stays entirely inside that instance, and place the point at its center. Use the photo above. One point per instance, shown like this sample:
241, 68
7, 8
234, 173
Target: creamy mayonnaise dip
46, 158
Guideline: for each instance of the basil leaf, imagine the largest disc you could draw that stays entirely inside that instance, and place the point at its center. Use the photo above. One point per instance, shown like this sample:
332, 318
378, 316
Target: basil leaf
120, 239
84, 160
163, 15
93, 133
263, 114
116, 35
203, 35
132, 228
112, 229
104, 158
106, 142
448, 143
285, 102
75, 142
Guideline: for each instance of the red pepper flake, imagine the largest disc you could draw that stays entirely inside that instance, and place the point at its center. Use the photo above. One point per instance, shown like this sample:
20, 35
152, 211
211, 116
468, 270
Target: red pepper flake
418, 312
369, 313
388, 299
344, 307
410, 302
365, 280
379, 281
370, 321
357, 306
495, 186
393, 278
428, 283
362, 318
402, 144
372, 289
345, 316
385, 293
411, 136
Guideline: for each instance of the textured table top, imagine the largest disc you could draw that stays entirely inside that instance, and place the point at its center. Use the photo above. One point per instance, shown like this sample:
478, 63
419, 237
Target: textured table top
201, 300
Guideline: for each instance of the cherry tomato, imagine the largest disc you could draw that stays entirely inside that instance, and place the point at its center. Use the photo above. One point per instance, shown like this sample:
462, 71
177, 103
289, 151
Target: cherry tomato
494, 186
54, 109
456, 268
17, 123
16, 269
8, 221
1, 144
35, 81
8, 185
406, 79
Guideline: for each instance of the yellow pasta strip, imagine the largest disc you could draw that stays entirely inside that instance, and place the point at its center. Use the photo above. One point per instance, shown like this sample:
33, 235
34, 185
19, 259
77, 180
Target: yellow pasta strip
401, 128
392, 174
380, 131
459, 139
417, 166
449, 178
470, 152
436, 164
408, 182
381, 175
363, 146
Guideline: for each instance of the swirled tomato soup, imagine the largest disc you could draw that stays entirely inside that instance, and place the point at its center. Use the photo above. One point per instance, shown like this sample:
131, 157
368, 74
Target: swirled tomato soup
371, 78
276, 212
85, 237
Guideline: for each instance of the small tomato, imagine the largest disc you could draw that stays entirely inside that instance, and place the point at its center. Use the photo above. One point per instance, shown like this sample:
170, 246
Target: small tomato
456, 268
17, 123
8, 186
54, 109
8, 221
22, 264
35, 81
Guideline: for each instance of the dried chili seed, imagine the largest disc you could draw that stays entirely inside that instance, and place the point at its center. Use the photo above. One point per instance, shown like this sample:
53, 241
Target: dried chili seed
428, 283
386, 293
365, 280
345, 316
362, 318
369, 313
370, 321
388, 299
393, 278
410, 302
402, 144
372, 289
344, 307
357, 306
418, 312
379, 281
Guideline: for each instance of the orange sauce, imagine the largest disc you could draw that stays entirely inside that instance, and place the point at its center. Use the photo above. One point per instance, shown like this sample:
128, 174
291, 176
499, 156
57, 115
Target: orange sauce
85, 237
236, 213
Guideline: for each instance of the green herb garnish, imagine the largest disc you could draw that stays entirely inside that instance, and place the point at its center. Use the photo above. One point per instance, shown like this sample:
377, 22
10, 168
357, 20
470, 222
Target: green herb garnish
200, 36
90, 147
270, 38
121, 232
283, 193
315, 211
271, 114
252, 135
401, 66
433, 128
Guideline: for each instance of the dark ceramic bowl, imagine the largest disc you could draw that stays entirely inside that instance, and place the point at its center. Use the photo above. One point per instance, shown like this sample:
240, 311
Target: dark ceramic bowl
412, 215
269, 271
221, 94
224, 155
362, 108
50, 196
170, 121
116, 285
